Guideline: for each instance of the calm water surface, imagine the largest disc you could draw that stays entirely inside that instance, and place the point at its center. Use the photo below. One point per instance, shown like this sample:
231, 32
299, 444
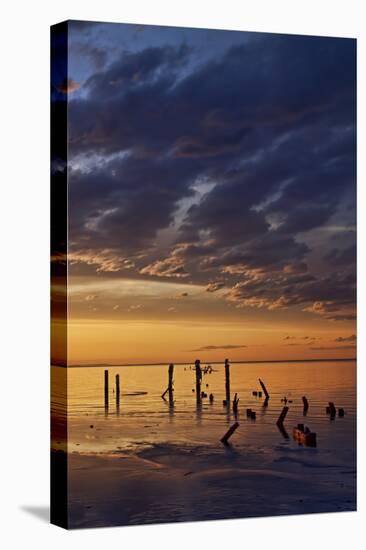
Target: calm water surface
145, 420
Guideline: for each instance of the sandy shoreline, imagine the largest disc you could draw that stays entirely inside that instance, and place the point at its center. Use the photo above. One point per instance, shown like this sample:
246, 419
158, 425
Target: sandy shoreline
168, 484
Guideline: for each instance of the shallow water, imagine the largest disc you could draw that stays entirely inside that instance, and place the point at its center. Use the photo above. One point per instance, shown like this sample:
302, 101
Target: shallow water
142, 420
265, 472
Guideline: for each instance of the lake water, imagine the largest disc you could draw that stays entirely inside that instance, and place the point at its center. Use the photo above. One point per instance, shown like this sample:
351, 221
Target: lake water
185, 439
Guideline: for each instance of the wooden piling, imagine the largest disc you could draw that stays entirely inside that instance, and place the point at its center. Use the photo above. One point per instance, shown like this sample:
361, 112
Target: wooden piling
117, 390
235, 403
282, 416
106, 390
332, 409
306, 405
198, 380
227, 380
264, 389
170, 384
229, 433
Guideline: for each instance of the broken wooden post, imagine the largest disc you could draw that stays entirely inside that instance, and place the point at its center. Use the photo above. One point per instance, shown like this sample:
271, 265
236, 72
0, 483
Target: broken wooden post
229, 433
282, 416
117, 391
227, 380
332, 409
235, 403
106, 390
341, 413
306, 405
253, 415
211, 397
170, 384
198, 380
264, 388
249, 412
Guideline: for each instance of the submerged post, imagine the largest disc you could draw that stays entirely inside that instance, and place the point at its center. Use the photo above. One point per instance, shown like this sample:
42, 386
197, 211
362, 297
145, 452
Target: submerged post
306, 405
227, 381
229, 433
198, 380
264, 389
282, 416
117, 391
170, 384
106, 390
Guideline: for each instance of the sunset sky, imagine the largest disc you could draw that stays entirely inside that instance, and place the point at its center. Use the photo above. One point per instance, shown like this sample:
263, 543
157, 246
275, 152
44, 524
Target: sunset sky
211, 194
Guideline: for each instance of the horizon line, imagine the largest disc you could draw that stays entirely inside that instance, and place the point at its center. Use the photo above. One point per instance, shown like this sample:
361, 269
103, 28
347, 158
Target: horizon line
246, 361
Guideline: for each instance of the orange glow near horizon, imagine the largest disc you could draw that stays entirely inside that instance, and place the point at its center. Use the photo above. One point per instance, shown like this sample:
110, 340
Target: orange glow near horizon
139, 322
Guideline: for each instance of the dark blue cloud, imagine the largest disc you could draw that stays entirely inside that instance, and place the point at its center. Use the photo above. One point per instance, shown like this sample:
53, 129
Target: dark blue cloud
268, 125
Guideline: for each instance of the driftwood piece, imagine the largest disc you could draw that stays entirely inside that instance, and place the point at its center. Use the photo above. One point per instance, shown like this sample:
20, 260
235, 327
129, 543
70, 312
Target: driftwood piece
229, 433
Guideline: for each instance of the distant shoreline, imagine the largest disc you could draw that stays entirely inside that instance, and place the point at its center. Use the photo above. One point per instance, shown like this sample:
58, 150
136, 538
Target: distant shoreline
246, 362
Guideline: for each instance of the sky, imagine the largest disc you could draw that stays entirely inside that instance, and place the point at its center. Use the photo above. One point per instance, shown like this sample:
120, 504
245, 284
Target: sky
212, 191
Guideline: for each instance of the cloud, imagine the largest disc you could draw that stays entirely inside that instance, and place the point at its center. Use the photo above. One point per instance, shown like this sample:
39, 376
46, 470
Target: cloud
105, 260
276, 155
134, 307
214, 287
351, 338
333, 348
224, 347
170, 267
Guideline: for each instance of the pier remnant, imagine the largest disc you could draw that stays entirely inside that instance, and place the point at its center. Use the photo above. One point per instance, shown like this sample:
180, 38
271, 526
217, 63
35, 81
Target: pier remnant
249, 412
341, 413
198, 380
170, 389
106, 390
211, 397
282, 416
306, 405
229, 433
117, 391
264, 388
227, 380
331, 409
235, 403
170, 384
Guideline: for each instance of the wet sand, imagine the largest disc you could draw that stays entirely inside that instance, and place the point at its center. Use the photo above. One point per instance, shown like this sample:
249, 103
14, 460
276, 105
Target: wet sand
168, 484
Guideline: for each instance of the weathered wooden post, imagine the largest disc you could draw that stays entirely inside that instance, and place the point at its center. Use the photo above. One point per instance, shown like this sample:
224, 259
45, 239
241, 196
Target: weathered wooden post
117, 392
227, 381
282, 416
170, 384
306, 405
229, 433
106, 391
235, 404
198, 380
264, 389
